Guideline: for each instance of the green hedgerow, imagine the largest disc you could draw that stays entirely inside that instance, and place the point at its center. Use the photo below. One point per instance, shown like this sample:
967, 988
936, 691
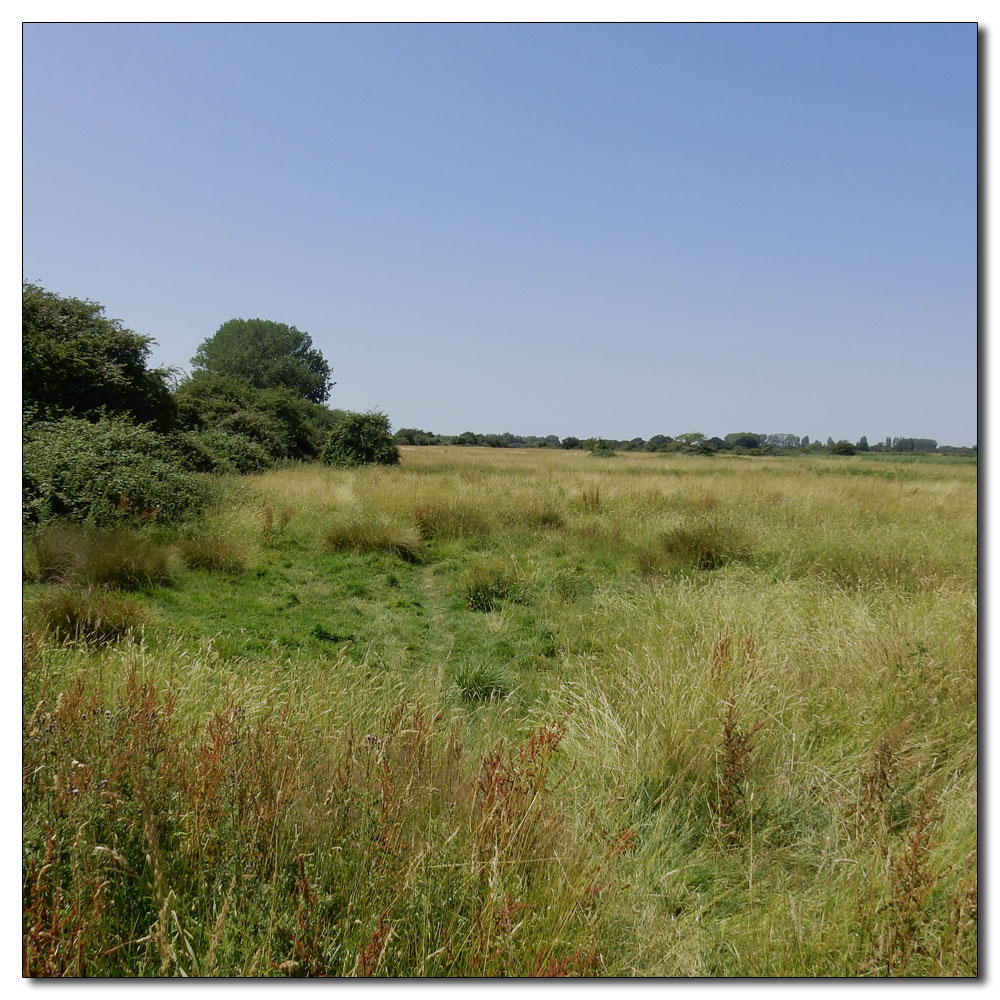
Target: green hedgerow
105, 472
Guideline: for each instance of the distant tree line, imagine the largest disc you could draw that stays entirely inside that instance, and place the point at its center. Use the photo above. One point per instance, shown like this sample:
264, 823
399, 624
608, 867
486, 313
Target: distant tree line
738, 442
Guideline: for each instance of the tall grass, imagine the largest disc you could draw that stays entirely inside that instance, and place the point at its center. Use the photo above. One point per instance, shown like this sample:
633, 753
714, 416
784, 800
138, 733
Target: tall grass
77, 554
529, 752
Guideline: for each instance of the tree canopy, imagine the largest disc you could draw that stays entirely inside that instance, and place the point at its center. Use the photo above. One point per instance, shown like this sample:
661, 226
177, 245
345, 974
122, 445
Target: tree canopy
268, 355
77, 362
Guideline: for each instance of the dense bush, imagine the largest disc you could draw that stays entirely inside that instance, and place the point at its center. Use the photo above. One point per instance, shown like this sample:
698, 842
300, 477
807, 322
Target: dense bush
413, 435
106, 472
361, 439
215, 450
77, 362
600, 448
257, 426
288, 426
197, 452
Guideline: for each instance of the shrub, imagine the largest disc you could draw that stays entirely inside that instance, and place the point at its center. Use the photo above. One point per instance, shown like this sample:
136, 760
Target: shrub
196, 452
487, 590
361, 439
367, 536
69, 553
211, 554
88, 617
258, 427
602, 449
105, 473
290, 426
234, 452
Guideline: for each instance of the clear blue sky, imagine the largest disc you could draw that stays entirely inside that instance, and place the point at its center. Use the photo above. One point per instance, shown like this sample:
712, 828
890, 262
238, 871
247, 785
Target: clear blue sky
615, 230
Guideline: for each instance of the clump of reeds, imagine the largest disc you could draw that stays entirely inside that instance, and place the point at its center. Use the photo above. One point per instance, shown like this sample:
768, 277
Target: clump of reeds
544, 517
371, 536
912, 879
274, 523
724, 657
514, 786
59, 927
590, 498
864, 570
875, 781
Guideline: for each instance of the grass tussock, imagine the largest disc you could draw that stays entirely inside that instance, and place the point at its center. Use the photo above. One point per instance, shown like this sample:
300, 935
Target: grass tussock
113, 558
703, 543
368, 536
448, 521
489, 589
482, 682
213, 555
88, 616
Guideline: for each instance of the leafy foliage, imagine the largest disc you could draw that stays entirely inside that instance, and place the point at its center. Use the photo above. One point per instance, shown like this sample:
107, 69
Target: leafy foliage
361, 439
285, 424
600, 448
215, 450
268, 355
78, 362
107, 472
842, 448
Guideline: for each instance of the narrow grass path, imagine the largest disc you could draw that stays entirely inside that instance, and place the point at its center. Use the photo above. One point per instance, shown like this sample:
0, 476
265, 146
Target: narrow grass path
440, 635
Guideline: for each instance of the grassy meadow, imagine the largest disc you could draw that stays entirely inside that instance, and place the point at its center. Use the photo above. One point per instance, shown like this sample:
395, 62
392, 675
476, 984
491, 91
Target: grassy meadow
501, 712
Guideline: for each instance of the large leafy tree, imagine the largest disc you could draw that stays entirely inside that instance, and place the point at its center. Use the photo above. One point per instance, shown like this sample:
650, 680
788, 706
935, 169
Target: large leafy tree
77, 362
268, 355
